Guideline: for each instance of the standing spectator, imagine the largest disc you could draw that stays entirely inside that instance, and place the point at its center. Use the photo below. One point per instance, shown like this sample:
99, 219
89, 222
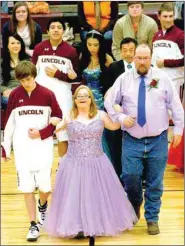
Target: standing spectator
29, 108
127, 46
100, 16
57, 63
168, 46
146, 94
22, 24
88, 197
13, 53
176, 154
179, 14
94, 63
136, 25
4, 6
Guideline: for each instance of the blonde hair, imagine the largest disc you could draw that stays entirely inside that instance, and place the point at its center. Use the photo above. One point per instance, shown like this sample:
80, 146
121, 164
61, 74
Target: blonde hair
93, 107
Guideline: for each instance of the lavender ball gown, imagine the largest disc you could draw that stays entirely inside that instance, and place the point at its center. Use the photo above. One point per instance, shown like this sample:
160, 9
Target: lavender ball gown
88, 196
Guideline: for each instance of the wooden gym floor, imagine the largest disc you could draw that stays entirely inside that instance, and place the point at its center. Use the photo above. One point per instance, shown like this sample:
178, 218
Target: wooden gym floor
15, 224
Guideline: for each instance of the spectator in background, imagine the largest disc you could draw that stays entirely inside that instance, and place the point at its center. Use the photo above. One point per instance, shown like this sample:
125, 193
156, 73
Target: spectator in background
22, 24
136, 25
57, 64
4, 6
13, 53
94, 63
179, 15
176, 154
100, 16
127, 46
168, 46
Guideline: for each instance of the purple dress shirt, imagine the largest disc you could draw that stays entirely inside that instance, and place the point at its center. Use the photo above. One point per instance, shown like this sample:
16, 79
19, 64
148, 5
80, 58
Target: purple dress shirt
158, 103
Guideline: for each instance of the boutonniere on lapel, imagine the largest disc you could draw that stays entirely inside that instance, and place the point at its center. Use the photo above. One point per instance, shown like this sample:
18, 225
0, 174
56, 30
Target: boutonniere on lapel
154, 83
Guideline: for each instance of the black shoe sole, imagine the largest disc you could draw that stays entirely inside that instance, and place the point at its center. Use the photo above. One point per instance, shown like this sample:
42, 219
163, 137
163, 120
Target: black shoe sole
153, 233
32, 239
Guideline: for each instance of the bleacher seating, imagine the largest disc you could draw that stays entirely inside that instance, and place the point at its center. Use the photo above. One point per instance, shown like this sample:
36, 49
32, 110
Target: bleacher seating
69, 13
68, 10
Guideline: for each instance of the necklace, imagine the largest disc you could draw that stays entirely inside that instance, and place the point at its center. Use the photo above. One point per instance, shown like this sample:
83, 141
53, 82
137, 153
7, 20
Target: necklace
14, 62
94, 64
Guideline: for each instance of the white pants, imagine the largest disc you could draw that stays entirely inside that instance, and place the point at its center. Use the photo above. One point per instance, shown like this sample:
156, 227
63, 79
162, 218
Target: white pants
28, 181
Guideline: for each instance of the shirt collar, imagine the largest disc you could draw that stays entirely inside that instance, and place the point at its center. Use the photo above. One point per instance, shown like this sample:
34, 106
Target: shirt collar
126, 63
136, 75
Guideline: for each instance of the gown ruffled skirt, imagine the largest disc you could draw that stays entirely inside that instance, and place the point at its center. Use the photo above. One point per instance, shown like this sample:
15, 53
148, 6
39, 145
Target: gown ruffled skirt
88, 196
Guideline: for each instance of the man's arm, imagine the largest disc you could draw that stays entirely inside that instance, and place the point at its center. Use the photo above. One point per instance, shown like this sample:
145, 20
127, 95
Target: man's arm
72, 75
35, 55
152, 32
9, 127
82, 19
116, 39
55, 112
177, 62
174, 104
115, 97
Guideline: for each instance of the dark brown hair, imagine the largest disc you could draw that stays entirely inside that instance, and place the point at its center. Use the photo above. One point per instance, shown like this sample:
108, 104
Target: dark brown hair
135, 2
30, 22
25, 69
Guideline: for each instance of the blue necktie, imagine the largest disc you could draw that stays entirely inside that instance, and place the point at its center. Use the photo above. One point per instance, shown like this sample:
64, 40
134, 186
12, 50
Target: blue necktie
141, 113
129, 66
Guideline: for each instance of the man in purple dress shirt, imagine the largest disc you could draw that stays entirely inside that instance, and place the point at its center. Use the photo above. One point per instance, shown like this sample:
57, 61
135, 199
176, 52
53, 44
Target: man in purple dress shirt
146, 95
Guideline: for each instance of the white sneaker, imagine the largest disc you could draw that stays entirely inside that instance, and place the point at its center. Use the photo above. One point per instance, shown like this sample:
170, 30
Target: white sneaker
41, 214
33, 233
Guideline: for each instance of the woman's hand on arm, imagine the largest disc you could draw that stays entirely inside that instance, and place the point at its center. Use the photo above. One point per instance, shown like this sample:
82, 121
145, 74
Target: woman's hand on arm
61, 126
108, 123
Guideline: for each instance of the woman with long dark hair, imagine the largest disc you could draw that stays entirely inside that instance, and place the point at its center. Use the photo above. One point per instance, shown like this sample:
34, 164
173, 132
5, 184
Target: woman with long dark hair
94, 62
13, 53
22, 24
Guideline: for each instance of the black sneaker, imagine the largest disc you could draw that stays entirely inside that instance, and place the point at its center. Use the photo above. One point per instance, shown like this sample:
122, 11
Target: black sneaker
33, 233
80, 235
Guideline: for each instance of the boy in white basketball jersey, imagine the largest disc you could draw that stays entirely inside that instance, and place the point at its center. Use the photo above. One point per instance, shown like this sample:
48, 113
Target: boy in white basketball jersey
30, 107
57, 63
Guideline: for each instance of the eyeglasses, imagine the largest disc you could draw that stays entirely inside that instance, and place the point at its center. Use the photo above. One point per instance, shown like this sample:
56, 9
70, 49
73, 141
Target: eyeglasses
142, 58
82, 97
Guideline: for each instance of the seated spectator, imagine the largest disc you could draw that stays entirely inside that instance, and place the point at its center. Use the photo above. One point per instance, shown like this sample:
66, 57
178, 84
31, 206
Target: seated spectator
13, 53
136, 25
22, 24
168, 46
100, 16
